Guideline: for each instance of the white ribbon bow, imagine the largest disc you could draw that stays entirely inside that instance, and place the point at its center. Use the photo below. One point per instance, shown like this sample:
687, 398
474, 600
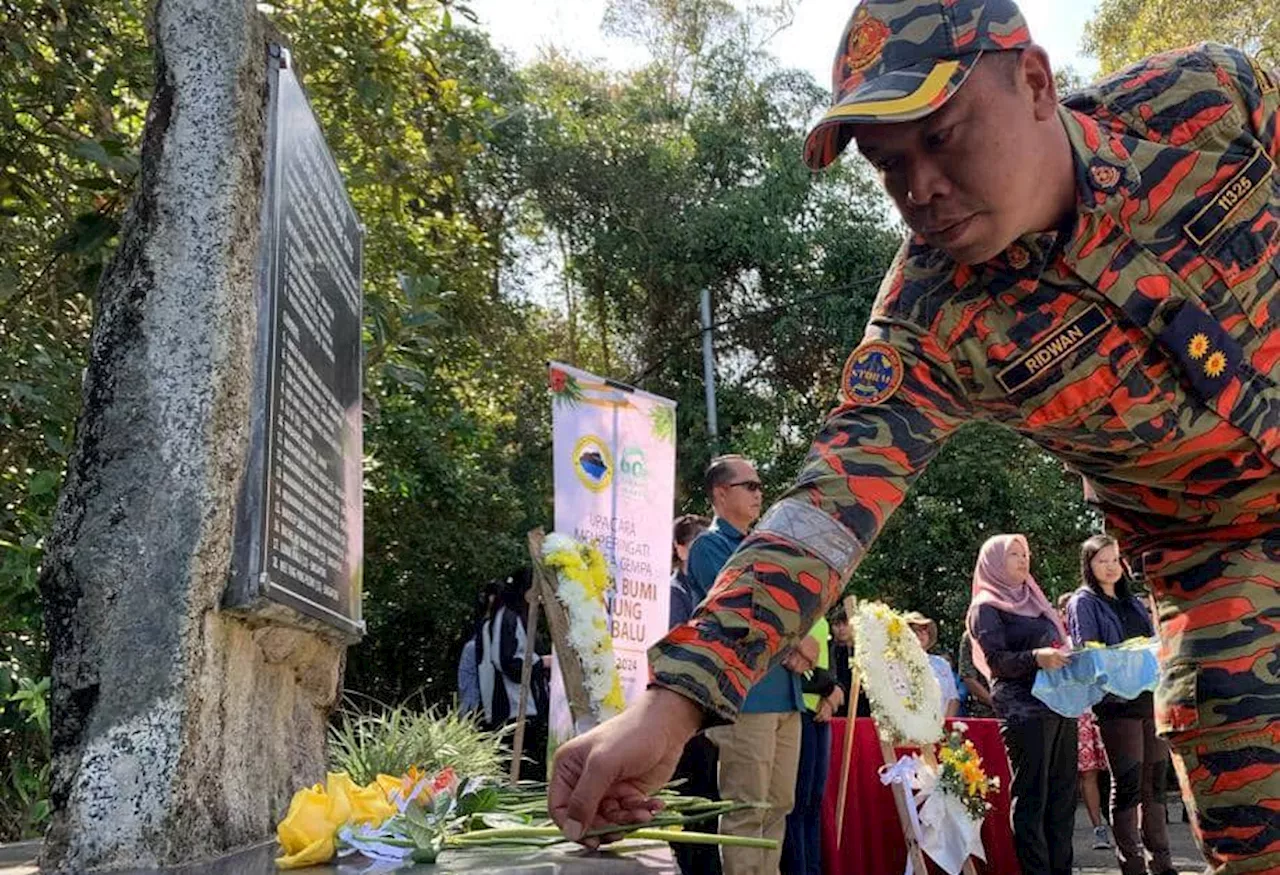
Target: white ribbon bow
904, 772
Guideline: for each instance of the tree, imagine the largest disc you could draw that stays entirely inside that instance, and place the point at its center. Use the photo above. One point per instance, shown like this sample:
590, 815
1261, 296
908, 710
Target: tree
74, 81
411, 107
1125, 31
654, 193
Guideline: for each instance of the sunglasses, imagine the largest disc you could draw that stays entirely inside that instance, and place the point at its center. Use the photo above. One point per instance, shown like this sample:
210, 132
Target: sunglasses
749, 485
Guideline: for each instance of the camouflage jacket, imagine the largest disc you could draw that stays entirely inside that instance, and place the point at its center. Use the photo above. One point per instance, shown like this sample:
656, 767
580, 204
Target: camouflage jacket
1140, 345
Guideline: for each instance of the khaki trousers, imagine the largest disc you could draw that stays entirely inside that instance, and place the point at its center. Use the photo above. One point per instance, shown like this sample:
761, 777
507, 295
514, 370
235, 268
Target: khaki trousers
759, 756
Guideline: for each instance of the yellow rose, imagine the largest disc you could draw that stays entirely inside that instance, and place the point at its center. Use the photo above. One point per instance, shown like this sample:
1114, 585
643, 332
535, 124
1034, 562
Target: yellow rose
306, 834
355, 804
339, 786
368, 804
391, 787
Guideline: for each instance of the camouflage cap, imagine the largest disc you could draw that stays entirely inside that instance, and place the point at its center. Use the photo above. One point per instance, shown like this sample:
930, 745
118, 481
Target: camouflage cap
900, 60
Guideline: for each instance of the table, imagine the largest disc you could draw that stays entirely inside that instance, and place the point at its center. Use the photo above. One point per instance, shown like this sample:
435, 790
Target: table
872, 835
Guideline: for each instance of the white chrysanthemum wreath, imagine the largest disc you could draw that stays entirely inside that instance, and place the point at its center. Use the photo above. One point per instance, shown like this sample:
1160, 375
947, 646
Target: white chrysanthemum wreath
582, 580
905, 698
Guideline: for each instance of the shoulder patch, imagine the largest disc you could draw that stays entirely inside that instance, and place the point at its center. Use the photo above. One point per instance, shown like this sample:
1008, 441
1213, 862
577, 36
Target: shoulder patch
1217, 213
872, 374
1267, 83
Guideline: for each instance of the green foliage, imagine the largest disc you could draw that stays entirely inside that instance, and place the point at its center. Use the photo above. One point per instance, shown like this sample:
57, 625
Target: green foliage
655, 184
74, 80
1125, 31
389, 740
24, 754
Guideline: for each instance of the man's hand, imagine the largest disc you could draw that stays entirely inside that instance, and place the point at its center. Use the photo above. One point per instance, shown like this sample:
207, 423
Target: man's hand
825, 710
837, 697
608, 775
804, 657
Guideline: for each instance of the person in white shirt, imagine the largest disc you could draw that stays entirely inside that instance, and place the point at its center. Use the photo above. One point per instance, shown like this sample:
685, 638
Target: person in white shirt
927, 631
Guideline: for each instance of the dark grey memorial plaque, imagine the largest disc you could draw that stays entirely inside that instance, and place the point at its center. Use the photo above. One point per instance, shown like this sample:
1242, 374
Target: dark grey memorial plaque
300, 516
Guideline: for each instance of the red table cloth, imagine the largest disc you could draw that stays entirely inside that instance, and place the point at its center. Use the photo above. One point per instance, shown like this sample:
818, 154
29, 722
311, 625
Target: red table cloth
873, 843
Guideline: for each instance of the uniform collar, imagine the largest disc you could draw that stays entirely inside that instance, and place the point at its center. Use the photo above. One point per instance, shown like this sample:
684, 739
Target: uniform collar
1024, 259
1105, 171
1105, 176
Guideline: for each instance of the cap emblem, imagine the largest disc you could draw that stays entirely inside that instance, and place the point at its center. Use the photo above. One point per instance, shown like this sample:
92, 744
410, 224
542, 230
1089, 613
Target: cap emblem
867, 37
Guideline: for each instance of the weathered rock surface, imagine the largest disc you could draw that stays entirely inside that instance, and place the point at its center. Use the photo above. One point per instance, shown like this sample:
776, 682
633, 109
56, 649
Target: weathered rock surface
179, 731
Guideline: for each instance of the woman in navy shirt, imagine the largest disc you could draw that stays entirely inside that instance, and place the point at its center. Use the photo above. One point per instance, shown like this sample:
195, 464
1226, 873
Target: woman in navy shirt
1015, 633
1106, 611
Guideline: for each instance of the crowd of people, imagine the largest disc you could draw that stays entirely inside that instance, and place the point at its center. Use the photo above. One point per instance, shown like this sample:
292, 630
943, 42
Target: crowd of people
778, 752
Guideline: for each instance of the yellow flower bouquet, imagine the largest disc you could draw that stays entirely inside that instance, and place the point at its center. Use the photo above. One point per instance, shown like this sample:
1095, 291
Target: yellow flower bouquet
960, 773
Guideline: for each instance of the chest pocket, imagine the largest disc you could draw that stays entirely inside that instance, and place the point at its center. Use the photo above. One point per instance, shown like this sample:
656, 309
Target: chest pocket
1088, 385
1238, 231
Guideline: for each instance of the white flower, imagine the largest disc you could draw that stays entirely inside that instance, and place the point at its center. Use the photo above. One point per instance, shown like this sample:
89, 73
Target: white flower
558, 543
588, 632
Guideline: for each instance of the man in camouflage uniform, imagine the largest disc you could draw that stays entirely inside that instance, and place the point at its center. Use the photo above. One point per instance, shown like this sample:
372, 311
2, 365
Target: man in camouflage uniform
1101, 276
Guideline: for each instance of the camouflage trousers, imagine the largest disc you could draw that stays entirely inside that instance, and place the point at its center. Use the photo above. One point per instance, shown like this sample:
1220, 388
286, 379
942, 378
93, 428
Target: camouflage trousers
1218, 702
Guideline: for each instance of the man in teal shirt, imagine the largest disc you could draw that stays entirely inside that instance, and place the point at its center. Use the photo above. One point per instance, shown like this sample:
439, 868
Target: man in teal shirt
768, 732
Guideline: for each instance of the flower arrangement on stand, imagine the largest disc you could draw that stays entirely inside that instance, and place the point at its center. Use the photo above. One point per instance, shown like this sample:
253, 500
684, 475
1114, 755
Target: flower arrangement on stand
960, 773
582, 581
905, 698
954, 802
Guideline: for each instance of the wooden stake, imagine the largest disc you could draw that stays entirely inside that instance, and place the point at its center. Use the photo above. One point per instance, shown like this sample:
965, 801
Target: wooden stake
534, 598
902, 798
851, 728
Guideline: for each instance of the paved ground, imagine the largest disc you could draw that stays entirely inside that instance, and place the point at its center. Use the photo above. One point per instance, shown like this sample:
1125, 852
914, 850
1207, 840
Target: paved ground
1186, 857
19, 859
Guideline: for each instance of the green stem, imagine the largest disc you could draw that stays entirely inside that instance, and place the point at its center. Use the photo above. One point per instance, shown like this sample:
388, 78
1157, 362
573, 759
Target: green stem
703, 838
481, 836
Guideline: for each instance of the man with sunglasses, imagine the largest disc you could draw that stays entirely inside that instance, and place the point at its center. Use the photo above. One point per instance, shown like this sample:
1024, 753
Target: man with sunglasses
1101, 275
760, 752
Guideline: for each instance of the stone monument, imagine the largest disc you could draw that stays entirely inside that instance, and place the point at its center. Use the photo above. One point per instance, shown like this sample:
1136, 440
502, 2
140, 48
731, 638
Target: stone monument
202, 578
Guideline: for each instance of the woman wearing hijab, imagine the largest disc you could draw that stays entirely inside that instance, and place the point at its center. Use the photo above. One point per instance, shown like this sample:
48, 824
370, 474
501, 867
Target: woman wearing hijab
1015, 633
1105, 610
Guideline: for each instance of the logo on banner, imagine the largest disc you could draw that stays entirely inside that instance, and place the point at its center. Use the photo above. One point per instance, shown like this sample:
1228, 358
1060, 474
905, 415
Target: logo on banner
593, 463
633, 474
